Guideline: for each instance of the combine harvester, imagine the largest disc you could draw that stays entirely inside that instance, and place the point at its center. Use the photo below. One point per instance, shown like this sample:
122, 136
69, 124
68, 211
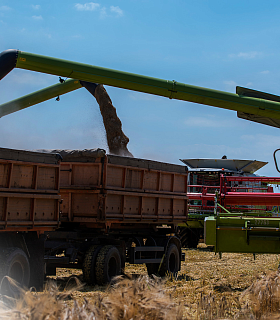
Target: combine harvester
236, 231
114, 207
205, 179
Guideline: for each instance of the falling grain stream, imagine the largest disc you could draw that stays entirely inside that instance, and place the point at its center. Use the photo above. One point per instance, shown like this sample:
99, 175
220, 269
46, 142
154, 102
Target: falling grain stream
116, 139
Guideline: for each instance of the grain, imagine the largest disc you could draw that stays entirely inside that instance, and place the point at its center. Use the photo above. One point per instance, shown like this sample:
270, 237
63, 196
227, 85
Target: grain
116, 139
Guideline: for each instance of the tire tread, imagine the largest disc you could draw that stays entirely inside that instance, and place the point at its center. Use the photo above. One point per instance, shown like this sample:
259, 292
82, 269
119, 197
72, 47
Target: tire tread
89, 264
101, 268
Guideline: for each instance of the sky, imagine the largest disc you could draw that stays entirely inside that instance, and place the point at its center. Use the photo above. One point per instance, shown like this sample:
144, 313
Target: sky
214, 44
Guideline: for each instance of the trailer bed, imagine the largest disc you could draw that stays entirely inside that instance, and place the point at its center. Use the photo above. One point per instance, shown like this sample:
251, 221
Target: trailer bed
29, 190
100, 188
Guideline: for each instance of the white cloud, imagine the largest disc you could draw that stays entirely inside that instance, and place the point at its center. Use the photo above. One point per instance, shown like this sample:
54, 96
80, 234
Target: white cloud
5, 8
117, 10
207, 122
103, 13
90, 6
230, 85
265, 72
37, 17
262, 140
246, 55
35, 6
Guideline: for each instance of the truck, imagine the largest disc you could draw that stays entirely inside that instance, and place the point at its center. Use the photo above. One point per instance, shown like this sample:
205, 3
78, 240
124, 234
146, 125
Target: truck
116, 210
29, 207
87, 210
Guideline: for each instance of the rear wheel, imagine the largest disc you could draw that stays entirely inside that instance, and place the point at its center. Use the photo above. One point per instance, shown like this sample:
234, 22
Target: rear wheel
14, 264
108, 264
171, 261
89, 264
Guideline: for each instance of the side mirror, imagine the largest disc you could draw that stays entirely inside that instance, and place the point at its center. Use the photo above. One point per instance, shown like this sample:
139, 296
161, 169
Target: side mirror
275, 161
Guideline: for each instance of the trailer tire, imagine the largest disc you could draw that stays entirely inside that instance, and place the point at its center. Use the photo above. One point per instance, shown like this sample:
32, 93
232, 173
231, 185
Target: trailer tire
171, 261
14, 264
108, 264
89, 264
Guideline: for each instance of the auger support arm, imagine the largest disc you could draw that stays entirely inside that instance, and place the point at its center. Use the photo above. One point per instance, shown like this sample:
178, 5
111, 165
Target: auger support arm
39, 96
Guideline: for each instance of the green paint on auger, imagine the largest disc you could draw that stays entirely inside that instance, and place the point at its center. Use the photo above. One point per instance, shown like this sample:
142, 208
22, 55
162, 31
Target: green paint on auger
251, 108
39, 96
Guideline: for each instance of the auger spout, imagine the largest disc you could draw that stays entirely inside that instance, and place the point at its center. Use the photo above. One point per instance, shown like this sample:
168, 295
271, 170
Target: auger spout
8, 60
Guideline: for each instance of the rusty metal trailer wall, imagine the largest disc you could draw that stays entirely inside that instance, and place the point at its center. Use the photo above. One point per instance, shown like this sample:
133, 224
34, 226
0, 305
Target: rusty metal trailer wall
118, 189
29, 191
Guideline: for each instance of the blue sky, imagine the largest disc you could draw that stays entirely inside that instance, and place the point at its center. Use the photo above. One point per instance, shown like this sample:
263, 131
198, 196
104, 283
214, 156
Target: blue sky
213, 44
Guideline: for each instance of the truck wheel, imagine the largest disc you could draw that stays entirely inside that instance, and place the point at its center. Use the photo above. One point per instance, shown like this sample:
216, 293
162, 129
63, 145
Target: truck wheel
36, 252
171, 261
14, 263
89, 264
108, 264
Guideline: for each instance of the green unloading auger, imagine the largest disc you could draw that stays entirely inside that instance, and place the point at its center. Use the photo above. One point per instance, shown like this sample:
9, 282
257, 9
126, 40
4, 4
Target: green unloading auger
39, 96
249, 104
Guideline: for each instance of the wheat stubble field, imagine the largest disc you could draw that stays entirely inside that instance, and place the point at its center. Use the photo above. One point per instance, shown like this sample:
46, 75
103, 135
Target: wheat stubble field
207, 287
